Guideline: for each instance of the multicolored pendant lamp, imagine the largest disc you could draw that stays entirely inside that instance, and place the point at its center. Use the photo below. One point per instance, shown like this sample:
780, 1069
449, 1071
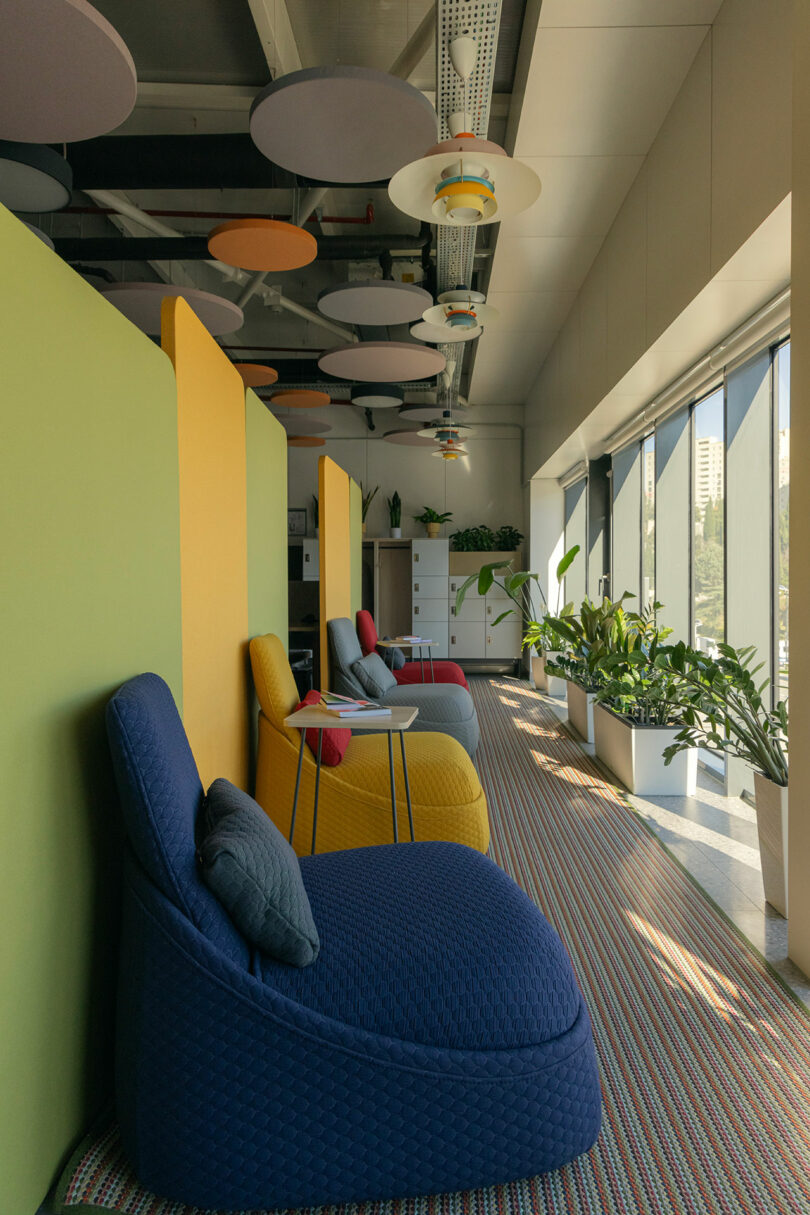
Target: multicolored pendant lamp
464, 180
448, 434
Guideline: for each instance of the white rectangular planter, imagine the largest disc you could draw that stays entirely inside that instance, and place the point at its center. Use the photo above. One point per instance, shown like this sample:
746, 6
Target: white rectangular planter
552, 685
772, 828
635, 754
580, 709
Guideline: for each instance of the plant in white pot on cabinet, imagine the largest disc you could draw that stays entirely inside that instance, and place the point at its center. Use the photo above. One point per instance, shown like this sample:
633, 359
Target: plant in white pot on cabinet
588, 640
637, 713
395, 515
722, 709
432, 520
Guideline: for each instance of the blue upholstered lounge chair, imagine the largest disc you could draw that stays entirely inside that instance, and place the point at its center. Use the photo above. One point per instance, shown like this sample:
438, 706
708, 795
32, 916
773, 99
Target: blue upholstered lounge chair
439, 1041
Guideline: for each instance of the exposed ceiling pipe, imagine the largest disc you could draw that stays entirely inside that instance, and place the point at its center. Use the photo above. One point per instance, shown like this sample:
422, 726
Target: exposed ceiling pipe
195, 248
124, 207
366, 218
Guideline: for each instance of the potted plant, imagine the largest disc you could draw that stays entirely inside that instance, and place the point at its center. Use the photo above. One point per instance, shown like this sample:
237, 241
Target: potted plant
588, 641
395, 515
637, 713
722, 710
368, 498
543, 640
520, 587
433, 520
315, 515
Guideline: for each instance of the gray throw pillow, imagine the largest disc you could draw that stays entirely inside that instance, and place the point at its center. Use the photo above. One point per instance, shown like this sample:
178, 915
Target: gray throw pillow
255, 874
391, 655
374, 675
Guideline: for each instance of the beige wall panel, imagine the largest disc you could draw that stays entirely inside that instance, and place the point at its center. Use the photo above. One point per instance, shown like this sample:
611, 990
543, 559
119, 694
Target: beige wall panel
751, 98
627, 276
679, 219
593, 326
486, 488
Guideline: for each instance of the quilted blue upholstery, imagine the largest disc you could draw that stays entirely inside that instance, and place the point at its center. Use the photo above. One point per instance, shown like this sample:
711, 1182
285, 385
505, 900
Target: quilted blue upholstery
451, 923
463, 1056
161, 797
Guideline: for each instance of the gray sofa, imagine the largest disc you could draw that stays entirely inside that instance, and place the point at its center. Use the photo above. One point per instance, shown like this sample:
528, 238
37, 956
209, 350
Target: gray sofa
444, 708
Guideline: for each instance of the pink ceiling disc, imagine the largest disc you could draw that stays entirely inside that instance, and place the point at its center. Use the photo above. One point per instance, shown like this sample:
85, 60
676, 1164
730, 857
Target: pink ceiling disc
386, 362
65, 74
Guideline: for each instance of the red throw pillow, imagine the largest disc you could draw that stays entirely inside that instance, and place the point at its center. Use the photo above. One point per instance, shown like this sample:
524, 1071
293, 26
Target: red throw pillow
366, 632
335, 742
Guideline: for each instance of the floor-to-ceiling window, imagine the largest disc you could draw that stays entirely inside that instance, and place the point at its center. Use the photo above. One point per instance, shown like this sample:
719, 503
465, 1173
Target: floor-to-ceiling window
708, 522
648, 521
576, 532
781, 517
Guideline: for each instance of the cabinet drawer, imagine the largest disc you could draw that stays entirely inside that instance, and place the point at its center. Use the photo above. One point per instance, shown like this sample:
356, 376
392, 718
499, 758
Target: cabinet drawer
430, 586
473, 608
430, 557
504, 640
496, 607
467, 640
497, 592
430, 609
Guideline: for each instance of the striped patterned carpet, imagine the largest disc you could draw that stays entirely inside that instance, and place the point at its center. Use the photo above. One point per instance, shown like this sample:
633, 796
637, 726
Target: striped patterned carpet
705, 1057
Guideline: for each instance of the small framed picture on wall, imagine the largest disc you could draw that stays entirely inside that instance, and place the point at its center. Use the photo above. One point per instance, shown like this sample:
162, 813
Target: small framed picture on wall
297, 522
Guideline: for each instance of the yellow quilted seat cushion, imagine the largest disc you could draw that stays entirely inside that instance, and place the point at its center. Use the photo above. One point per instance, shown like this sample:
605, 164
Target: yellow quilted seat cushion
354, 807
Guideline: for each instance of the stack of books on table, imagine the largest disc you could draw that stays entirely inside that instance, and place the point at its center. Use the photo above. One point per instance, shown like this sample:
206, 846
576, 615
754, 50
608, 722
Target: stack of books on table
348, 706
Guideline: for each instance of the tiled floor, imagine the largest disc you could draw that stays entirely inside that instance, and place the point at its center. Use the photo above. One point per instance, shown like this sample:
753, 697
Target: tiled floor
715, 838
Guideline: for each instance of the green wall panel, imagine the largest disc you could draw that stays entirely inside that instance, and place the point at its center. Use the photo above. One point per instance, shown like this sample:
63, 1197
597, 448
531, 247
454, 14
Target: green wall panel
91, 596
266, 520
356, 542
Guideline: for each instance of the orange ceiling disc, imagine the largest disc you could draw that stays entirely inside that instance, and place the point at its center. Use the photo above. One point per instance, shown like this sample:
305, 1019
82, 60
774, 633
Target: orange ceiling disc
305, 441
256, 375
262, 244
300, 398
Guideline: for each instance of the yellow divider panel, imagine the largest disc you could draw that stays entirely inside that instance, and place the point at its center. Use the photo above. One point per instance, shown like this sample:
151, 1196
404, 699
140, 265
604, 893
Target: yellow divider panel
213, 544
356, 532
335, 552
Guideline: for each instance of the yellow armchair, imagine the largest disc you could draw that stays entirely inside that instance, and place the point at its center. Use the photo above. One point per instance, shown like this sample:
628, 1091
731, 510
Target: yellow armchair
354, 807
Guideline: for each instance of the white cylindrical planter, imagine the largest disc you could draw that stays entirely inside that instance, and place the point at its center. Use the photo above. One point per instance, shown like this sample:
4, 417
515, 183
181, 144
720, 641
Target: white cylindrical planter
552, 685
396, 533
772, 828
580, 709
636, 755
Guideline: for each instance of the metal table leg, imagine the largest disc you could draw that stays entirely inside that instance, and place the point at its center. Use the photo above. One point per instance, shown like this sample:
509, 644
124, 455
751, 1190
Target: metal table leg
393, 786
297, 786
407, 784
317, 787
422, 663
432, 673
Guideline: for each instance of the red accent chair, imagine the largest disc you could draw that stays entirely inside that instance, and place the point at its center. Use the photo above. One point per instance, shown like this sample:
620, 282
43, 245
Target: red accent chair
443, 670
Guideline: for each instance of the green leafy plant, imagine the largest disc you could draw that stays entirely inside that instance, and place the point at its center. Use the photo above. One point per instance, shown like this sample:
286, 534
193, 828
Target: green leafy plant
395, 510
315, 509
585, 641
483, 539
368, 498
473, 539
538, 635
429, 515
507, 539
634, 685
521, 586
722, 708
